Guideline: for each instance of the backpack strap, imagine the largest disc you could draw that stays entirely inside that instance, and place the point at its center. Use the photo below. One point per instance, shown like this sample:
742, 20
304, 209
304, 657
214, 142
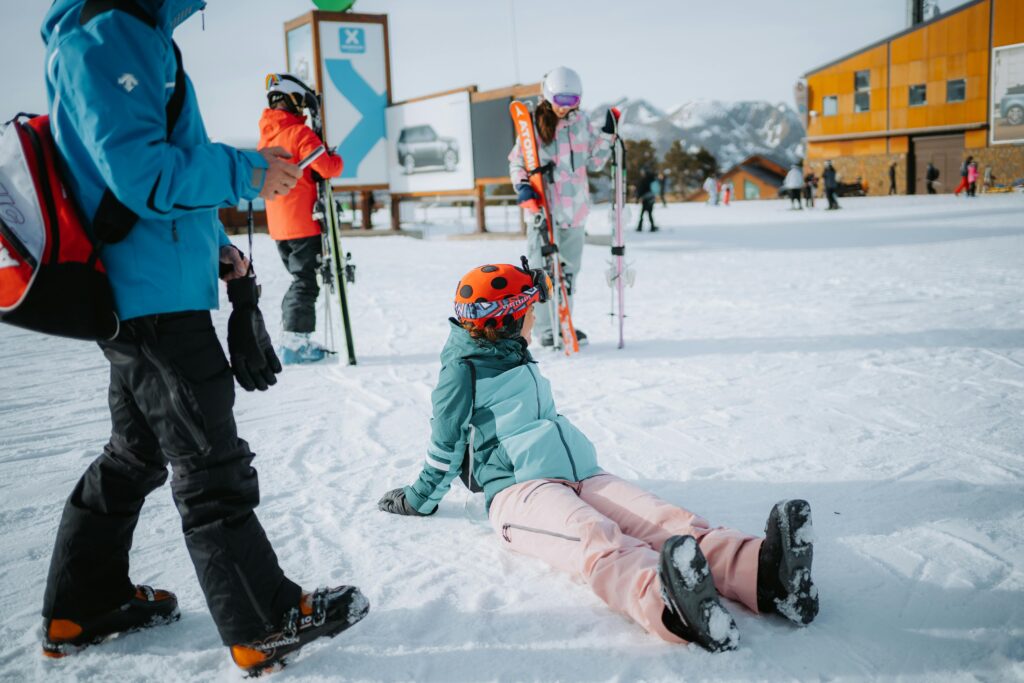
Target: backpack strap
466, 475
113, 220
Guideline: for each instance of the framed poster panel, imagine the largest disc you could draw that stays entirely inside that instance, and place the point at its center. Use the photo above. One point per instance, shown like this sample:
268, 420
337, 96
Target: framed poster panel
299, 54
354, 68
1007, 122
430, 144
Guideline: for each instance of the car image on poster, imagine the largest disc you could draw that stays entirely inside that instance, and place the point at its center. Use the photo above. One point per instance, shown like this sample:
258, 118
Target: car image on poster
430, 144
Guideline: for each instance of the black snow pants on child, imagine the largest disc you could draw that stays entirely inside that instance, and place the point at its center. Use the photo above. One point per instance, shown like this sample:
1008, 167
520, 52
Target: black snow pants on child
301, 257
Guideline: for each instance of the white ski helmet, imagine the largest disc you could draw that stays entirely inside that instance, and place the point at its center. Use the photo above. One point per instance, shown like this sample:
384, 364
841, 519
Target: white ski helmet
288, 87
561, 81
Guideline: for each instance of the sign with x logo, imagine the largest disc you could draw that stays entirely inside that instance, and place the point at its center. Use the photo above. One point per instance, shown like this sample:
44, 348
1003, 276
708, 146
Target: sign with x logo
353, 68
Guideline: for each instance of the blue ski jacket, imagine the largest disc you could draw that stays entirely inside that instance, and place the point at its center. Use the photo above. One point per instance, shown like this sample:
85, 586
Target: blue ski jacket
108, 83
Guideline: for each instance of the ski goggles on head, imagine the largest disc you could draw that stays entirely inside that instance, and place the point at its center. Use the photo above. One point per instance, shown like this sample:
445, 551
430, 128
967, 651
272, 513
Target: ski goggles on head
564, 99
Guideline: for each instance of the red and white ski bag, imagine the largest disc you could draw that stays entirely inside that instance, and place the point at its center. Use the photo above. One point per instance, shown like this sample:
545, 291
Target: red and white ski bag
51, 278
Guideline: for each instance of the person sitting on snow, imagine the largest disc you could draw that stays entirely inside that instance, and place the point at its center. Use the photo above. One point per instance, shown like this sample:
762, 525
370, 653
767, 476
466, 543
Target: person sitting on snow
495, 425
290, 218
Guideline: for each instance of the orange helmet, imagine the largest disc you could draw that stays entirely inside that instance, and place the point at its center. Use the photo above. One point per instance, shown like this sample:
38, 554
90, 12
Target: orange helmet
499, 295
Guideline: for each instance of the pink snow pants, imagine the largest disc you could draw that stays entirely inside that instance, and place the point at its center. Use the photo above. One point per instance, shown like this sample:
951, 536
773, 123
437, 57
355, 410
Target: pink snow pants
608, 533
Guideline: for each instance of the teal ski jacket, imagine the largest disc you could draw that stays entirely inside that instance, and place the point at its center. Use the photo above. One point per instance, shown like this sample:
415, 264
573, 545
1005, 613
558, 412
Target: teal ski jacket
494, 414
108, 82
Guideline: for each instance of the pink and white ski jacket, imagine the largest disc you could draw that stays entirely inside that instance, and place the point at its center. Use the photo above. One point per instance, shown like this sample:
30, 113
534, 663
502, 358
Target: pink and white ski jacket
578, 146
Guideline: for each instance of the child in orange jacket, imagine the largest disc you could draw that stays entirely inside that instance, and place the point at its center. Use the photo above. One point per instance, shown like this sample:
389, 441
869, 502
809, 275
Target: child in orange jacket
290, 218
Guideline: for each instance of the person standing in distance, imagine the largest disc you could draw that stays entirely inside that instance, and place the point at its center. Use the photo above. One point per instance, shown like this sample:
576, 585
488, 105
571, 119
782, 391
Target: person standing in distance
112, 72
290, 218
574, 146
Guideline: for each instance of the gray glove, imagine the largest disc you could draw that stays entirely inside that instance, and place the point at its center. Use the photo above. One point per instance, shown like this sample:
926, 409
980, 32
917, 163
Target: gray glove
394, 502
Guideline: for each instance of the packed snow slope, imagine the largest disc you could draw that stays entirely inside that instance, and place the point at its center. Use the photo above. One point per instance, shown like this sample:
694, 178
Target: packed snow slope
870, 360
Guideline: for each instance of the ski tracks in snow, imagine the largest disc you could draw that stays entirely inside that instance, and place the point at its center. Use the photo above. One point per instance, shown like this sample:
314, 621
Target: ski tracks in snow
870, 362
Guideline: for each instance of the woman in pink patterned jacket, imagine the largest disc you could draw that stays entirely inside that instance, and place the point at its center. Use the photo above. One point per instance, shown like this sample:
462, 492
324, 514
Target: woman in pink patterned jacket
574, 146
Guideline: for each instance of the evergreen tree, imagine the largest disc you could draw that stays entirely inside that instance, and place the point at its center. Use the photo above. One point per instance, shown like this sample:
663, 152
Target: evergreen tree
639, 154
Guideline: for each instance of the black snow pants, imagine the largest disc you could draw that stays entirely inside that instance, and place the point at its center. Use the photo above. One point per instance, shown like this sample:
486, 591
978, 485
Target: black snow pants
646, 207
301, 257
171, 398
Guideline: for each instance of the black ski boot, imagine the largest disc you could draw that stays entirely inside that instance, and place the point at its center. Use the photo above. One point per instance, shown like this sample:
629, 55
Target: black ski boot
784, 582
581, 337
324, 612
692, 608
149, 607
547, 339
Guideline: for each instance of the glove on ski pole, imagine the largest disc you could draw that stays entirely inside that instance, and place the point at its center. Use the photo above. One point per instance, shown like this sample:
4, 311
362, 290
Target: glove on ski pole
527, 197
252, 354
611, 119
394, 501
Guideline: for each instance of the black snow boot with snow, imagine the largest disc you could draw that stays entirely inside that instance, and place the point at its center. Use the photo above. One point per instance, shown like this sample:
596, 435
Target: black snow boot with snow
784, 582
692, 608
148, 607
324, 612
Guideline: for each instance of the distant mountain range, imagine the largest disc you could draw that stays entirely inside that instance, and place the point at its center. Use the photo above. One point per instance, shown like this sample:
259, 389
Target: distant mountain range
730, 131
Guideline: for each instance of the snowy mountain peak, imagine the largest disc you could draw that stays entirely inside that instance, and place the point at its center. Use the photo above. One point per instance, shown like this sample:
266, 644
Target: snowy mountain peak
731, 131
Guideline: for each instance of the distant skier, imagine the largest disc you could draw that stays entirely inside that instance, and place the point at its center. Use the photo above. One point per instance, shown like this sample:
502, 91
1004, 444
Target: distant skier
496, 426
710, 188
810, 187
964, 182
662, 188
112, 76
931, 176
646, 194
573, 146
794, 184
726, 192
290, 218
892, 178
972, 179
828, 176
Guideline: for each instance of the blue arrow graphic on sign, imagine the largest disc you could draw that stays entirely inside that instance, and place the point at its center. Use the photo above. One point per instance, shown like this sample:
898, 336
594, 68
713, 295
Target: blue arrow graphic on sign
371, 104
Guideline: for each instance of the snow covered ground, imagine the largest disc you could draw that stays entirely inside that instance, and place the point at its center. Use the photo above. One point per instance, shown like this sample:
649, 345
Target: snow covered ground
870, 360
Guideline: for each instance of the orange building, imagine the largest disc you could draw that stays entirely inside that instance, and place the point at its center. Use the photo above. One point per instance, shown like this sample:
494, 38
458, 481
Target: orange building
756, 177
936, 92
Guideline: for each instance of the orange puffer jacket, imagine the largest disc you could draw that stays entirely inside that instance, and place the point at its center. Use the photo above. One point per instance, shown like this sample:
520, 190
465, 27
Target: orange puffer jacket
291, 216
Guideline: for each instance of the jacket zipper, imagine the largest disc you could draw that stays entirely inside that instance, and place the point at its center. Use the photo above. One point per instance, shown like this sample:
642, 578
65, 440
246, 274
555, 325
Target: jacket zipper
506, 527
568, 453
572, 463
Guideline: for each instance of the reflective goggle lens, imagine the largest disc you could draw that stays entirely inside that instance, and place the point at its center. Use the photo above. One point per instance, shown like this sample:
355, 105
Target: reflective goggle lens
566, 100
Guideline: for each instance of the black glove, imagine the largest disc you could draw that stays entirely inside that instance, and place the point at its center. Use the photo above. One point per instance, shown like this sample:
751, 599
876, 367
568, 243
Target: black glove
394, 501
610, 118
252, 354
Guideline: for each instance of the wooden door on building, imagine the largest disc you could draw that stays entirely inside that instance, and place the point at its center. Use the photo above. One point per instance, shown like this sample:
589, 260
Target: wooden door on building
946, 152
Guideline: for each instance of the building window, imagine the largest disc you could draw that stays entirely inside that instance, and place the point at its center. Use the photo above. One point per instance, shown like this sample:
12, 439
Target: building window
830, 105
918, 95
956, 90
862, 91
750, 190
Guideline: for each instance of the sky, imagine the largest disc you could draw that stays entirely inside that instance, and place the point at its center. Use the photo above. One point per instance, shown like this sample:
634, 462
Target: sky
665, 51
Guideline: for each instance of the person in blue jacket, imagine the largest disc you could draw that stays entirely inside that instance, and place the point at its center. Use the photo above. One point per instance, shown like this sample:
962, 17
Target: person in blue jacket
126, 121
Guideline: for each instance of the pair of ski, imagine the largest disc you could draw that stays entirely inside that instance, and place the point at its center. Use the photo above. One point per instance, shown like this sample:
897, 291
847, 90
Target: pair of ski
335, 267
539, 176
